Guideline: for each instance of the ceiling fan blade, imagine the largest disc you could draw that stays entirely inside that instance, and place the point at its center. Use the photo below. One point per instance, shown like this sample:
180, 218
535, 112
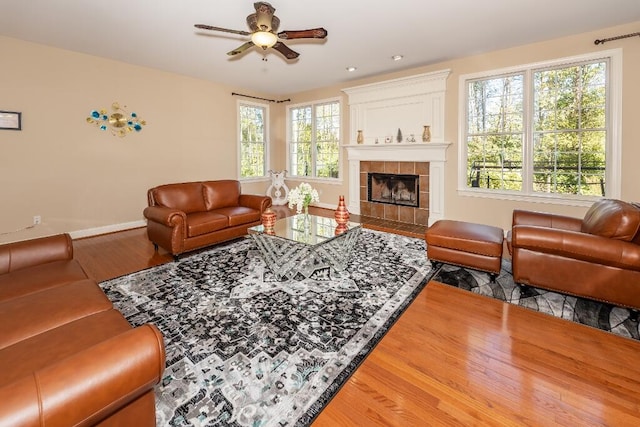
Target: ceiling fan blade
315, 33
284, 49
225, 30
240, 49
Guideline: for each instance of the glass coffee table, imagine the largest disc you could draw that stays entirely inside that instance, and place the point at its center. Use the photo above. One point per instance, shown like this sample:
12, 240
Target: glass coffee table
297, 247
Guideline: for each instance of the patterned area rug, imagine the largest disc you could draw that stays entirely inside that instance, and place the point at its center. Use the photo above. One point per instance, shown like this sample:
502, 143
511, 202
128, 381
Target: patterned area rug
599, 315
246, 350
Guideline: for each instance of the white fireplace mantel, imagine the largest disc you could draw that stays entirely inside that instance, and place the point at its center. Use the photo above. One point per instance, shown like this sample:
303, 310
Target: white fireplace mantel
432, 152
384, 111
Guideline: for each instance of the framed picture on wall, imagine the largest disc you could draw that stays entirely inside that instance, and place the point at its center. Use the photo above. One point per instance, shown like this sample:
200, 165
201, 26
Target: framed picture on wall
10, 120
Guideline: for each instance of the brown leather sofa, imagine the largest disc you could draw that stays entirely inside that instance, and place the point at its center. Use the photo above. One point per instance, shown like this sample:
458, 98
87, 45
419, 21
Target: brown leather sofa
67, 357
596, 257
187, 216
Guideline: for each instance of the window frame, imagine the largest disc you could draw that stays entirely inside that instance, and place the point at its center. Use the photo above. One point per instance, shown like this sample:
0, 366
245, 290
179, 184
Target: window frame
313, 104
613, 125
265, 106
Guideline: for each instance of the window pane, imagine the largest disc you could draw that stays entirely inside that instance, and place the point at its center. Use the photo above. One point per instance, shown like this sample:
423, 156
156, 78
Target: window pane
327, 140
327, 162
569, 130
301, 159
301, 125
252, 161
495, 133
315, 140
495, 105
252, 141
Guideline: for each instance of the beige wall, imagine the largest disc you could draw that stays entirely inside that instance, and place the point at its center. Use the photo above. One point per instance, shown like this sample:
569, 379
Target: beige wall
498, 212
79, 178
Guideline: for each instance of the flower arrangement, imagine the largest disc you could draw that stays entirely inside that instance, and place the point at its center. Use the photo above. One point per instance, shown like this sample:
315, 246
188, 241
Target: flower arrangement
302, 196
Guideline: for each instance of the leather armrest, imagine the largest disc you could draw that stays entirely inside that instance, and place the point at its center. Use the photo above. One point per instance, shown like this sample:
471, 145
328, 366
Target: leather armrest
255, 201
28, 253
576, 245
543, 219
83, 389
165, 216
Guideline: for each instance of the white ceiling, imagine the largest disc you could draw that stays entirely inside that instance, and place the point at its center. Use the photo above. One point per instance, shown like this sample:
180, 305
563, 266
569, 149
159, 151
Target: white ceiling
362, 33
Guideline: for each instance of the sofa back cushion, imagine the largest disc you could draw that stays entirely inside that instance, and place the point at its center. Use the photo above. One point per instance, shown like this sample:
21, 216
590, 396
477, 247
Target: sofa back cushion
221, 194
186, 197
614, 219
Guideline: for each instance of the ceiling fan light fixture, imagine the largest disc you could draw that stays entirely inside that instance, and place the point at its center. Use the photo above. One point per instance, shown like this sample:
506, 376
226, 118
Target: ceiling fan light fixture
264, 39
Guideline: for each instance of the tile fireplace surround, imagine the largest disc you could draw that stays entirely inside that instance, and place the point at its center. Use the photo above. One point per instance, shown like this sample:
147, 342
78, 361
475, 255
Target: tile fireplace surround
427, 160
408, 214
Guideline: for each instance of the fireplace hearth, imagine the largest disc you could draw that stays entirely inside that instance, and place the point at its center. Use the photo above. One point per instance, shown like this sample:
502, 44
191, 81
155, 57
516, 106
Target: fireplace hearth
394, 189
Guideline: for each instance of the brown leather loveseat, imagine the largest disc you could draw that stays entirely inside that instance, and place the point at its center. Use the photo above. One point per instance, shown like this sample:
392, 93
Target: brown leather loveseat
596, 257
67, 357
187, 216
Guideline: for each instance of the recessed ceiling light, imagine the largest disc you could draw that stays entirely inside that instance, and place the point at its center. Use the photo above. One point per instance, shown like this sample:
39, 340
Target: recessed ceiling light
397, 57
351, 69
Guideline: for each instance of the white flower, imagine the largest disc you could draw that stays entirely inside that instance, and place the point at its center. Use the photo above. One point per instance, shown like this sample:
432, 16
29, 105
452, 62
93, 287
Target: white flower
302, 196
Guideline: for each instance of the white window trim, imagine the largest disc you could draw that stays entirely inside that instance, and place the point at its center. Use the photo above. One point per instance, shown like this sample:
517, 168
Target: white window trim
288, 136
614, 149
266, 141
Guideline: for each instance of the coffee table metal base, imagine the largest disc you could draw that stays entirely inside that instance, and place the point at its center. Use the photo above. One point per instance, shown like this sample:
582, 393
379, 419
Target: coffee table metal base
291, 260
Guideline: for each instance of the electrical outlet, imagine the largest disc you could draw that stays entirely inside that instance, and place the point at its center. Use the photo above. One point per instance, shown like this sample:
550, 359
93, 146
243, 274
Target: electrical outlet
37, 219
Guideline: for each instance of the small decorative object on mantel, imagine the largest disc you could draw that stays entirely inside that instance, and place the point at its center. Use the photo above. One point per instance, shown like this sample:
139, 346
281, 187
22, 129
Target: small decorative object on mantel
341, 214
268, 218
399, 136
119, 122
360, 137
426, 133
411, 138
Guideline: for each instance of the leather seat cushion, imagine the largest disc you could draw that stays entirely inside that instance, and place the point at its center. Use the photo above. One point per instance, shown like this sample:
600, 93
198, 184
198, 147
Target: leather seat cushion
33, 314
199, 223
42, 350
37, 278
466, 237
614, 219
239, 215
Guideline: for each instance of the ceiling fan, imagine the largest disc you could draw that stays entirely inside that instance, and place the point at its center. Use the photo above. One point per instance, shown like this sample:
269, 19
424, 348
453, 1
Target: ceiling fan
264, 26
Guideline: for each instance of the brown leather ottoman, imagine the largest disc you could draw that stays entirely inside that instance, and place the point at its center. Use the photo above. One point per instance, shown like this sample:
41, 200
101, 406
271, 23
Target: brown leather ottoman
470, 245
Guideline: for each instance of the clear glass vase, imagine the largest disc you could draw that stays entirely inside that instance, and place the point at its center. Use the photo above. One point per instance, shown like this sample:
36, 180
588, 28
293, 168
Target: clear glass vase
307, 220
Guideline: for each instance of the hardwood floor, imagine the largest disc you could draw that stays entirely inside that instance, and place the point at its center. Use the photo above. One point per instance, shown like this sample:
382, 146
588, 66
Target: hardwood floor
454, 358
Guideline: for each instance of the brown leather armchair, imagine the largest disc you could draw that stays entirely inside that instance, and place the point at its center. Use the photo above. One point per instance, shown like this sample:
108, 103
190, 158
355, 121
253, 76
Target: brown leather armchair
596, 257
186, 216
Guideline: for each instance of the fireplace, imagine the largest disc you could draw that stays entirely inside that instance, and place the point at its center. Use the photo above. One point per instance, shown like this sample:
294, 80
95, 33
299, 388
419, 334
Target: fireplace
394, 189
425, 160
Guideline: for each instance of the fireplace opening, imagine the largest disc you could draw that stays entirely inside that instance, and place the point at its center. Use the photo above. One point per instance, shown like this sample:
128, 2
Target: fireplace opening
393, 189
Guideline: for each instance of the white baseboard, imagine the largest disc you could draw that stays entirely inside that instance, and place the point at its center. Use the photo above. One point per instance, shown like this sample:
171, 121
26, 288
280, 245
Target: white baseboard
107, 229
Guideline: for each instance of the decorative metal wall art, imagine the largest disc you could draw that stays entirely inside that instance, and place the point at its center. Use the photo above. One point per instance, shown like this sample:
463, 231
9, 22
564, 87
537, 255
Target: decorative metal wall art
119, 122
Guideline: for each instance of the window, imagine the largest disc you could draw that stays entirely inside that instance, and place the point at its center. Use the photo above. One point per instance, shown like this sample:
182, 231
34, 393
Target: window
253, 140
544, 130
314, 140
